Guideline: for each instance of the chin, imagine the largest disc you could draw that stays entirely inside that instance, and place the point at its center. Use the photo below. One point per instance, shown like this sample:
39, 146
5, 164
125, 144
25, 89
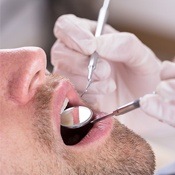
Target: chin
120, 151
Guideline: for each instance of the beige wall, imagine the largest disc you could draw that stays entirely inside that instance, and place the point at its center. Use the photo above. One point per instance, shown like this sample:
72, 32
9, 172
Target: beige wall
152, 21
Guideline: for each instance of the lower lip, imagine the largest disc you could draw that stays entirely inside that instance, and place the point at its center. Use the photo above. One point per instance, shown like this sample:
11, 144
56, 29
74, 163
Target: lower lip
100, 131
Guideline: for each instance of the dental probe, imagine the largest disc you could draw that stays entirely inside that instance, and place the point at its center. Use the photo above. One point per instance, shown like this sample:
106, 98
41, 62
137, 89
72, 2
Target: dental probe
121, 110
79, 116
102, 18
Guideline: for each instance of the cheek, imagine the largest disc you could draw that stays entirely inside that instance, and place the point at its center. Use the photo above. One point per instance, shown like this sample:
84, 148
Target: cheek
15, 129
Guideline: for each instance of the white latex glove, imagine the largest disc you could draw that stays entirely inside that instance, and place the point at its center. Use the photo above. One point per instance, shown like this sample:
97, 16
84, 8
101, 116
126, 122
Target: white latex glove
162, 104
126, 70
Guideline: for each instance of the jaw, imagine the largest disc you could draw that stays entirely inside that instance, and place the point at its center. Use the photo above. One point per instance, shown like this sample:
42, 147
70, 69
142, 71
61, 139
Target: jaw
121, 152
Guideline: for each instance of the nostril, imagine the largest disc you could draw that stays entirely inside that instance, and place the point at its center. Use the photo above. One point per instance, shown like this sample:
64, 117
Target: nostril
22, 88
34, 81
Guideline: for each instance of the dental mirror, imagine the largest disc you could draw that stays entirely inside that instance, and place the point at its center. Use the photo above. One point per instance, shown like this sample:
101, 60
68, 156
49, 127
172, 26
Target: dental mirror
76, 117
79, 116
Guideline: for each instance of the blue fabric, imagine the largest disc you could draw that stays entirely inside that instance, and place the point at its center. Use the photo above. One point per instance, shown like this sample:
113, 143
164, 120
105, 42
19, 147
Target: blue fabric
168, 170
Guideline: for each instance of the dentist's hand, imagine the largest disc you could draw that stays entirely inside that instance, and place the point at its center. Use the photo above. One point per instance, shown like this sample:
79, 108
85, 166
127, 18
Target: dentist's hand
126, 70
162, 104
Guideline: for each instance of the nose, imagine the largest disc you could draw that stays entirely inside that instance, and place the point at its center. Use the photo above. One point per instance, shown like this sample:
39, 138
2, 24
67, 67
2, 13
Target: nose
27, 67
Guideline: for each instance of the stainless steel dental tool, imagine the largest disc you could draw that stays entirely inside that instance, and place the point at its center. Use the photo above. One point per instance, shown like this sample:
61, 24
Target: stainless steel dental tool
77, 117
102, 18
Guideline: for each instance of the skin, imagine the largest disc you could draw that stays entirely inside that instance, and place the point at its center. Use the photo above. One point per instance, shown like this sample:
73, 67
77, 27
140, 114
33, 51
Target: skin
30, 136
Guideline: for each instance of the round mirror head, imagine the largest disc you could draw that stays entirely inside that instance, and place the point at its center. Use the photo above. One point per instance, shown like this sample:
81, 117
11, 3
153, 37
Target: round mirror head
76, 117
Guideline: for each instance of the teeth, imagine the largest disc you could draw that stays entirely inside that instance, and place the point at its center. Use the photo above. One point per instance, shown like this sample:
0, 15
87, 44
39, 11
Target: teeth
66, 101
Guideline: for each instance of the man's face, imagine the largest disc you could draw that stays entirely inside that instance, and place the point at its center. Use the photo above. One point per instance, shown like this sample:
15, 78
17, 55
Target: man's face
30, 138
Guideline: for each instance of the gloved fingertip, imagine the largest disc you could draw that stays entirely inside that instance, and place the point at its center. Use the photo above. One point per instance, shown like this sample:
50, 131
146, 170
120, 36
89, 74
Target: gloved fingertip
103, 70
151, 104
166, 90
158, 109
146, 100
87, 46
167, 70
111, 88
104, 87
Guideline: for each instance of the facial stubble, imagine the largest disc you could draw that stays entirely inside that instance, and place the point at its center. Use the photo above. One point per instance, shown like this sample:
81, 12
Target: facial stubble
122, 153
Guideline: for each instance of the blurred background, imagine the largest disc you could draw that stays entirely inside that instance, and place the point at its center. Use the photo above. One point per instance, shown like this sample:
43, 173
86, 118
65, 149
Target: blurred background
30, 23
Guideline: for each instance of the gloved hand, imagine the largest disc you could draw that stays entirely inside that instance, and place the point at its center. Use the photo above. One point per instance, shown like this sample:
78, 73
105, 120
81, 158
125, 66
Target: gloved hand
162, 104
126, 69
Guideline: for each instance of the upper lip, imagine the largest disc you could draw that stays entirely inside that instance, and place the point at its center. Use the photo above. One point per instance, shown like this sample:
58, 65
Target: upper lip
65, 91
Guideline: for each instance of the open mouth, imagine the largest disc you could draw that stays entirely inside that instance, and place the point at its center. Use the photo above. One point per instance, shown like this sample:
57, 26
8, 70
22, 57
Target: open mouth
65, 96
72, 136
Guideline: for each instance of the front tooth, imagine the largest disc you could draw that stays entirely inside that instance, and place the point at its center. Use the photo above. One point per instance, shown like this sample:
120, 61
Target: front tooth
66, 101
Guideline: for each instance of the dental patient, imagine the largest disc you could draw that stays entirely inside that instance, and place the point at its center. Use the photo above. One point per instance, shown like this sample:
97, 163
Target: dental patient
30, 132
